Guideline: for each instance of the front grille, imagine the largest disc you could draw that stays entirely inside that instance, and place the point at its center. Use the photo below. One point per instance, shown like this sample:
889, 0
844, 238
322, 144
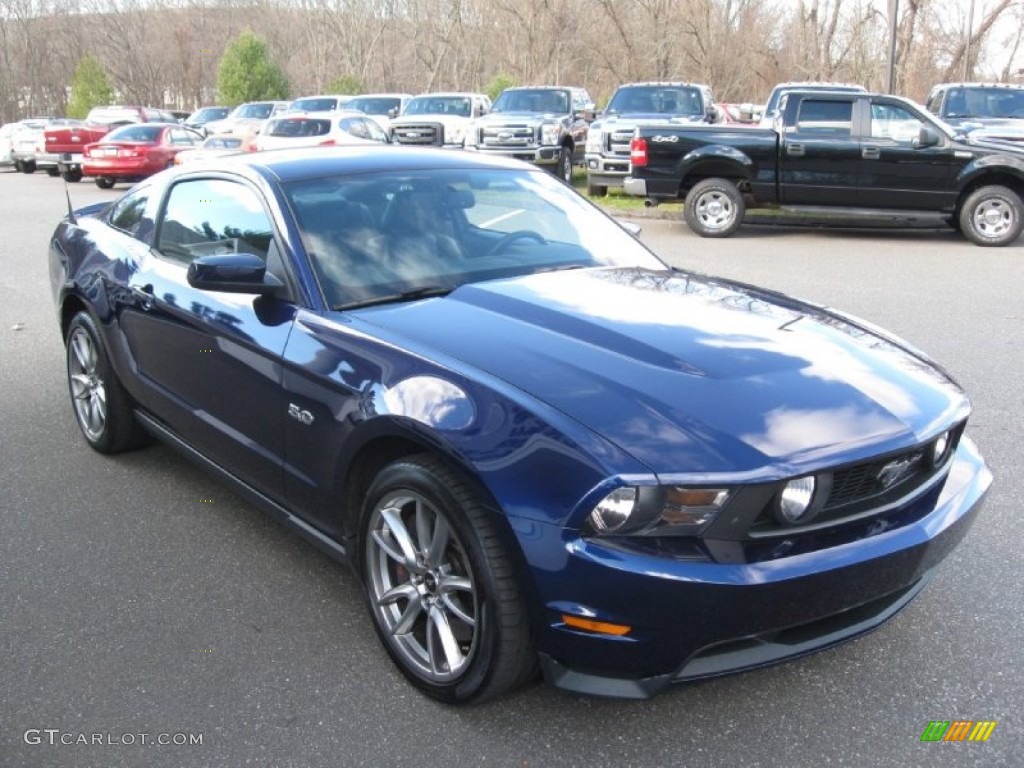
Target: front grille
618, 142
424, 134
863, 481
515, 136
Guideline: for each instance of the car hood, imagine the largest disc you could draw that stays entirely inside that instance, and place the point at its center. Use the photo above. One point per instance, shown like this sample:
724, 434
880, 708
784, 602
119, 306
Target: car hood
690, 374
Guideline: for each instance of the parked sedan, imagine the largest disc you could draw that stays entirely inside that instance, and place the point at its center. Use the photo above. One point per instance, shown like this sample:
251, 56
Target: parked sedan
212, 146
533, 441
134, 152
198, 120
322, 129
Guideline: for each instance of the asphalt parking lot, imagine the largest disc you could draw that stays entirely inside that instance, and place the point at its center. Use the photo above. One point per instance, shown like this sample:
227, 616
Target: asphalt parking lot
140, 597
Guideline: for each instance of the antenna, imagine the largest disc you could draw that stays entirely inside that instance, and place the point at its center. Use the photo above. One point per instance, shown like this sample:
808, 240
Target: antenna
71, 211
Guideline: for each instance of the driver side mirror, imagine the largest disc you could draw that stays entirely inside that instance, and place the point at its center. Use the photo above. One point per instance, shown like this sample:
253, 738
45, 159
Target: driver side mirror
393, 113
232, 273
928, 137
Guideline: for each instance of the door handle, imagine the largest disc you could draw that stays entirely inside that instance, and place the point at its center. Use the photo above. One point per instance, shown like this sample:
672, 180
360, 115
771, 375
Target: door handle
143, 295
870, 153
797, 150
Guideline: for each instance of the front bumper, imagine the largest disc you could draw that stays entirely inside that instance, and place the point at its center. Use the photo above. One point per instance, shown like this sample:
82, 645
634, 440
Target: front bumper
691, 617
536, 155
607, 171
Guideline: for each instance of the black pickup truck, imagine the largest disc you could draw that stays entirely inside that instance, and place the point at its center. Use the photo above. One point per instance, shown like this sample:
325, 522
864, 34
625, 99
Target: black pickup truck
854, 153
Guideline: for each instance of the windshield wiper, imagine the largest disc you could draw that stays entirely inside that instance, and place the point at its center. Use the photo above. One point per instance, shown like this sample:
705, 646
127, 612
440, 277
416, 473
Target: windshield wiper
414, 293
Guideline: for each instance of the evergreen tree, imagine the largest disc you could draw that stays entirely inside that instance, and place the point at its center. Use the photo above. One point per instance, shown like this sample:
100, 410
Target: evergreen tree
247, 72
89, 88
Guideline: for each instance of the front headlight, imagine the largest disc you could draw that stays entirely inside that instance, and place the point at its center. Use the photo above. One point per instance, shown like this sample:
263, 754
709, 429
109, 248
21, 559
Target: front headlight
657, 511
550, 133
594, 141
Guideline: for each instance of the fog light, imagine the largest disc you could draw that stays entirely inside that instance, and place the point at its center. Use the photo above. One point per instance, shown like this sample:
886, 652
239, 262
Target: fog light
614, 510
795, 500
941, 448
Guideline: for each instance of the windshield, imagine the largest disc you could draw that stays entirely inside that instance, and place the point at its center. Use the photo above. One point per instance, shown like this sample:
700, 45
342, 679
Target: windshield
533, 100
460, 106
206, 114
317, 104
142, 132
984, 102
384, 237
657, 101
297, 126
374, 105
253, 111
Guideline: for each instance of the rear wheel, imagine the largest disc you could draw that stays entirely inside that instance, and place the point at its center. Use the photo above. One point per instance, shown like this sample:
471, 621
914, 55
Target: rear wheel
441, 588
54, 171
992, 216
104, 183
102, 408
72, 176
714, 208
28, 166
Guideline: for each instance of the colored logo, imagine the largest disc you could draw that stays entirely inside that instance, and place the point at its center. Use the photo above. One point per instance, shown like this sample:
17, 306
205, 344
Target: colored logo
958, 730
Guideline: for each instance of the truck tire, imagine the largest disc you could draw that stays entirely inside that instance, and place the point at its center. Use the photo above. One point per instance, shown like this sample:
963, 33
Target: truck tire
992, 216
54, 171
71, 176
564, 168
596, 190
28, 166
714, 208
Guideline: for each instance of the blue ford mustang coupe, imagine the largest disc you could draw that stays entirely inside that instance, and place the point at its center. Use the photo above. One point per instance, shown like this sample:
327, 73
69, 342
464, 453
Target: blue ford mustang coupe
536, 444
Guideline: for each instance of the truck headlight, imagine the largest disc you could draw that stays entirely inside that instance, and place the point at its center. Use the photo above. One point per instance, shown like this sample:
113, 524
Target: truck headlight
593, 141
656, 511
550, 133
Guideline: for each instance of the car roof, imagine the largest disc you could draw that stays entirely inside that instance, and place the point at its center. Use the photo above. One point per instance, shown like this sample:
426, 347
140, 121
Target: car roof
288, 165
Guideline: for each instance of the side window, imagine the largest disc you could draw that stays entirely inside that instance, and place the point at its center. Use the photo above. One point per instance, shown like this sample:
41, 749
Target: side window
129, 214
895, 123
826, 118
208, 216
180, 137
355, 126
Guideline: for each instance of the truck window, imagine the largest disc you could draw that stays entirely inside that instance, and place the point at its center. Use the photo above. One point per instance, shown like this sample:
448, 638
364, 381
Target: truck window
893, 122
826, 118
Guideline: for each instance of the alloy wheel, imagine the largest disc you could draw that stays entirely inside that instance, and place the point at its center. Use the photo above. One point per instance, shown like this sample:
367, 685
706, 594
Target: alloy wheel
88, 390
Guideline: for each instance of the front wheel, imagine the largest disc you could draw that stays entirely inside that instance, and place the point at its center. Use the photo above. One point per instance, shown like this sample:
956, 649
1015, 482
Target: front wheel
102, 408
992, 216
441, 589
714, 208
104, 183
564, 168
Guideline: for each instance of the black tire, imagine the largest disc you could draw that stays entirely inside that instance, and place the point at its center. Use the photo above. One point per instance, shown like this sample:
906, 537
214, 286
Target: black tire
104, 183
28, 166
54, 171
596, 190
714, 208
102, 408
72, 176
992, 216
564, 168
453, 621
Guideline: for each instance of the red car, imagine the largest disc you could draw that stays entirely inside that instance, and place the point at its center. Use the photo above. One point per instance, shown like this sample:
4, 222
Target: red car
133, 152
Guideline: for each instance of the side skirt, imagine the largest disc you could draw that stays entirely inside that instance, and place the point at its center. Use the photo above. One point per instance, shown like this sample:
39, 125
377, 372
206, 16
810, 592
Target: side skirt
334, 548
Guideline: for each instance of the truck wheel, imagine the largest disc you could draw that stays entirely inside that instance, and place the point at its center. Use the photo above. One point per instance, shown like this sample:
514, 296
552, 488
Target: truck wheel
992, 216
52, 172
28, 166
564, 168
714, 208
71, 176
596, 190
